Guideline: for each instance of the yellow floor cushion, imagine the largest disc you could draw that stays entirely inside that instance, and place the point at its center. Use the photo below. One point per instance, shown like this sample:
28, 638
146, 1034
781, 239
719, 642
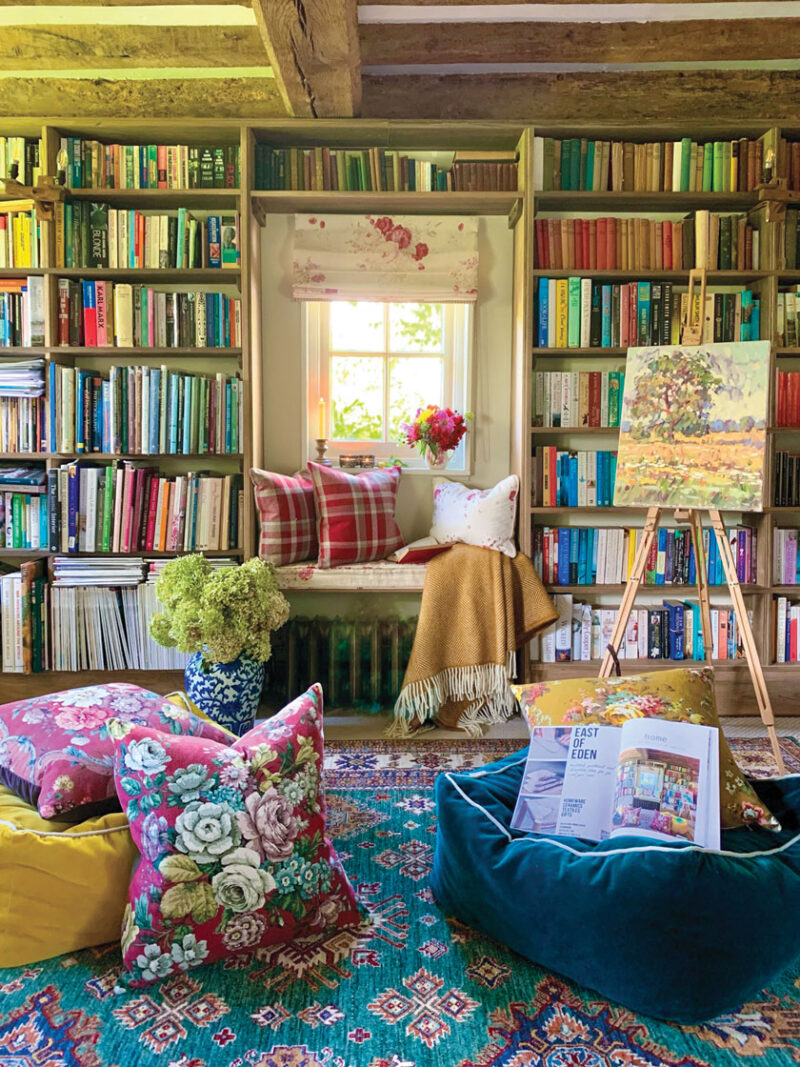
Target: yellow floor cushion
63, 886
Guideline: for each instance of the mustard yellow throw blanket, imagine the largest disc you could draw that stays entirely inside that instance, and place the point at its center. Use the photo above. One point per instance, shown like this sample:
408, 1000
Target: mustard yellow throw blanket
478, 607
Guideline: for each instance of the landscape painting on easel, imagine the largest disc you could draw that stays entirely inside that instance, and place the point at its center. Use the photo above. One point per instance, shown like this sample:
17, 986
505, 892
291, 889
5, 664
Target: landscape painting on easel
693, 426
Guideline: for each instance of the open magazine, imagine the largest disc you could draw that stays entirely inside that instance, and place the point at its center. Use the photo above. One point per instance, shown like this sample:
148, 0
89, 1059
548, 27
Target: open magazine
649, 778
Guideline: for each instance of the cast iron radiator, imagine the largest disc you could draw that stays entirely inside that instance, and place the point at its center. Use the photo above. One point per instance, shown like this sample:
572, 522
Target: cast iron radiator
360, 663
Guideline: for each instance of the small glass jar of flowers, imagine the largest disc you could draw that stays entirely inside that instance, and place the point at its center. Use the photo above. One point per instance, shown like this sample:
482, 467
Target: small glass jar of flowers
436, 432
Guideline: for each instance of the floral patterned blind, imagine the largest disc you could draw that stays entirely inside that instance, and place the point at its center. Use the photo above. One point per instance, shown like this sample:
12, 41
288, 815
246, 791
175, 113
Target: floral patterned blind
402, 258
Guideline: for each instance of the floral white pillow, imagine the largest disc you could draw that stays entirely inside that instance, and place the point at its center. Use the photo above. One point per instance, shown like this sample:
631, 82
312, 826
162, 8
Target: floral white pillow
481, 517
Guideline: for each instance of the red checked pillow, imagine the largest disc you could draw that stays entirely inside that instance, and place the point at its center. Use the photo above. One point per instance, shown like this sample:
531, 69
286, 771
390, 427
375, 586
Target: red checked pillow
55, 750
288, 521
234, 854
355, 514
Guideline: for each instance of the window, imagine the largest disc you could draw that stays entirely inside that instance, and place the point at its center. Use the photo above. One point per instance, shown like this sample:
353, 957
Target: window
371, 365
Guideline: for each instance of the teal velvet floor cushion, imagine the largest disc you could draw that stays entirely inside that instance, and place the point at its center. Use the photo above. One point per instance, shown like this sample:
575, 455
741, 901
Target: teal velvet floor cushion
668, 930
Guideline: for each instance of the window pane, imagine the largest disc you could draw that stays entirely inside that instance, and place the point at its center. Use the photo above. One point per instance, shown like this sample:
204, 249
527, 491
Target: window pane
415, 327
357, 398
413, 383
356, 327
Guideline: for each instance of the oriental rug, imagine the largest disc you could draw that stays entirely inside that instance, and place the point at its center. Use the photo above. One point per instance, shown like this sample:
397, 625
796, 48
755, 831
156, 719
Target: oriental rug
412, 990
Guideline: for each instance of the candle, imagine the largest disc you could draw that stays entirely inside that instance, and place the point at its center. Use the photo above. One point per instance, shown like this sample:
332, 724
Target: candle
321, 434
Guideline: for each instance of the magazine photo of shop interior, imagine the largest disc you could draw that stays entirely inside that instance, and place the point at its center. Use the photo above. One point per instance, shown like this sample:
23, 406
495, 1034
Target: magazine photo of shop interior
657, 791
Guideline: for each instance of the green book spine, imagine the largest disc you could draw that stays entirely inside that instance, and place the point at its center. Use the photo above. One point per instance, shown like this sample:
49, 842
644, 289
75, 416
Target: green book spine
548, 163
708, 168
566, 163
724, 242
194, 385
726, 166
574, 313
16, 520
585, 173
108, 500
575, 164
68, 247
718, 180
686, 159
590, 150
614, 393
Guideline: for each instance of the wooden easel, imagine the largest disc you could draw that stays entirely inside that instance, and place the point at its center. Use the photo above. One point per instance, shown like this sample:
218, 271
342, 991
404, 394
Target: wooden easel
691, 334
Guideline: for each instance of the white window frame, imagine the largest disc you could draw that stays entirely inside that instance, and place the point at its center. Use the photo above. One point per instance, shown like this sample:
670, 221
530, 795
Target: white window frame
458, 384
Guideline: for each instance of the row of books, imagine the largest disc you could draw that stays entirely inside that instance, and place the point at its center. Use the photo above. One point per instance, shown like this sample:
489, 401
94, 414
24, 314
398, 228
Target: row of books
144, 410
97, 235
786, 630
787, 398
671, 631
101, 314
576, 163
573, 479
128, 508
787, 480
23, 424
716, 242
24, 608
577, 398
605, 556
785, 558
22, 312
23, 155
20, 235
581, 313
788, 317
383, 170
90, 164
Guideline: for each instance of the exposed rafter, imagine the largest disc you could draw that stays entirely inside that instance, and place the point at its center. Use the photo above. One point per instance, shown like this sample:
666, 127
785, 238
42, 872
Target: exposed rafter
395, 44
95, 46
314, 54
631, 96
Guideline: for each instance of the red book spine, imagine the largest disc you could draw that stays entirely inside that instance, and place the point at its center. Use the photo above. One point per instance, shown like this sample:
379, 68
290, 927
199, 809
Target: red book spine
161, 164
547, 577
624, 317
151, 515
602, 244
611, 243
594, 397
63, 311
90, 322
553, 478
593, 244
541, 256
577, 231
652, 558
587, 244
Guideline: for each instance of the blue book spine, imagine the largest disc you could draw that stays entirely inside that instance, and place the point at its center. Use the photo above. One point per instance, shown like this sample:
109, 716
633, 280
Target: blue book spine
662, 555
676, 621
692, 566
187, 414
173, 414
605, 317
80, 444
572, 499
583, 556
44, 524
755, 322
53, 526
573, 556
612, 476
643, 313
669, 557
697, 633
212, 225
105, 410
544, 314
563, 556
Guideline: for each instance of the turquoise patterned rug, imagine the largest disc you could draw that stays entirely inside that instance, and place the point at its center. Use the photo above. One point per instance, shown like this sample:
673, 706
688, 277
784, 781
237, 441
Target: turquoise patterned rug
414, 990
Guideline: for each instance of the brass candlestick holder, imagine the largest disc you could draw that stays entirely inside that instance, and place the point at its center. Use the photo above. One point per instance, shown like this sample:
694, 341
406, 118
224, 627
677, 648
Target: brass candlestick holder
322, 448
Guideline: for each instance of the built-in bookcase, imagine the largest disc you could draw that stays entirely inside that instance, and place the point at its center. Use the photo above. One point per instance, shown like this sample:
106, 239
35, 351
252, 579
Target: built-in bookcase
208, 364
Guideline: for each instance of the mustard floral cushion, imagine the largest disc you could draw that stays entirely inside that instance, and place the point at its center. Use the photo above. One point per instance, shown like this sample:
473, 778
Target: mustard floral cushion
682, 695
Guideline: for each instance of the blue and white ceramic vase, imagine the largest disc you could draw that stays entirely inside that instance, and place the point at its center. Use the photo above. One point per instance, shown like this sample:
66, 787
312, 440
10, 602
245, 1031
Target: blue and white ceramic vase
229, 693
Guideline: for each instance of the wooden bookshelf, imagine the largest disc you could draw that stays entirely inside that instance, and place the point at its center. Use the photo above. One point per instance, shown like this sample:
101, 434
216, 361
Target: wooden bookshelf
734, 690
235, 359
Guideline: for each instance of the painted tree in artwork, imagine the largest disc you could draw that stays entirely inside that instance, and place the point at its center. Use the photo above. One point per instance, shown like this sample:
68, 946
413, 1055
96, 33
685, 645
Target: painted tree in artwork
673, 395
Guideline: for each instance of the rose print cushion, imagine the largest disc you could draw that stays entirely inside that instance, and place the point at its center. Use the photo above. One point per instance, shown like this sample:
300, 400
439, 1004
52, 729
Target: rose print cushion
681, 695
481, 517
232, 840
55, 751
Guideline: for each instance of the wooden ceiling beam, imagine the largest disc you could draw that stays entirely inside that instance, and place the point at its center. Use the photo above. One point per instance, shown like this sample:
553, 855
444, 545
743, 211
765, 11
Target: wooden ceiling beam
202, 98
314, 54
390, 44
85, 47
624, 97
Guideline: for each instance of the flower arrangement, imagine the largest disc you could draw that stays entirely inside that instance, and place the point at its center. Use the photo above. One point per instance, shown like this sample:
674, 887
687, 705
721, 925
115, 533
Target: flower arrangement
434, 430
222, 613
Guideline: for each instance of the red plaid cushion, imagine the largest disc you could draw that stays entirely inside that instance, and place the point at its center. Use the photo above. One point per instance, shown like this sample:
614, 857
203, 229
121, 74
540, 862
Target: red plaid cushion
288, 521
356, 514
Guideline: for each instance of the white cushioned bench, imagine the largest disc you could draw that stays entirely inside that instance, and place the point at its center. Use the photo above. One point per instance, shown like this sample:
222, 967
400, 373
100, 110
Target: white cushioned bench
381, 576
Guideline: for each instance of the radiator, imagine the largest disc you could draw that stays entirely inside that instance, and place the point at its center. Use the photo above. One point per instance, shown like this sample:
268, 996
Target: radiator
360, 663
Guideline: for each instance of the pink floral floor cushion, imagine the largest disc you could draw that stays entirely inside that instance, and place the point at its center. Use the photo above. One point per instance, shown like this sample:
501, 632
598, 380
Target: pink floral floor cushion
232, 840
55, 751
